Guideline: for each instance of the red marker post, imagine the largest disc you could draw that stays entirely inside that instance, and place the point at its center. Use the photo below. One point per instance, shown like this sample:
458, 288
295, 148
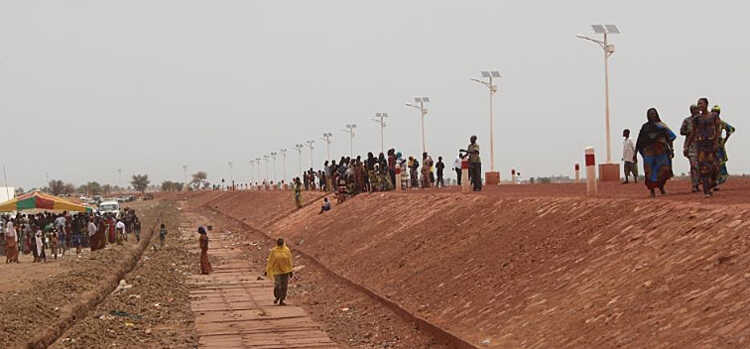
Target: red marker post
591, 188
465, 182
578, 172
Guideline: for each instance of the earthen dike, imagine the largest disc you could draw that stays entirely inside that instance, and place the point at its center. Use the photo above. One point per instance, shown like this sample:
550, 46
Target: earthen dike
534, 266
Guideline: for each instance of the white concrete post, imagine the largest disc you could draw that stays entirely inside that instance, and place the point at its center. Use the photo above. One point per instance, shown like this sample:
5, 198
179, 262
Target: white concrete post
591, 187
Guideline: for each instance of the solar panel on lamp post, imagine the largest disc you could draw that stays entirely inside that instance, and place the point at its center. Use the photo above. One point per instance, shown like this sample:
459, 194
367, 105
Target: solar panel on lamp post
419, 104
490, 75
608, 49
380, 119
350, 130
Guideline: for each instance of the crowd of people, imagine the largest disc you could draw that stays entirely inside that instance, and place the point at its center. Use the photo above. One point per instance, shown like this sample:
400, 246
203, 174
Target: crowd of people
705, 135
38, 233
351, 176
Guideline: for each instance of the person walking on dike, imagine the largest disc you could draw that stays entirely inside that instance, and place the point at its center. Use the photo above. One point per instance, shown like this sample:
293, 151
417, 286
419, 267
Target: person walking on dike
690, 152
440, 167
722, 153
203, 242
297, 193
279, 268
457, 168
93, 238
475, 163
655, 146
162, 235
11, 242
629, 157
706, 135
39, 239
426, 170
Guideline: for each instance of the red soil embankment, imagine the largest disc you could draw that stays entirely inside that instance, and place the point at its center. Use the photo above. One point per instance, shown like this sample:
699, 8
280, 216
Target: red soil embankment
539, 272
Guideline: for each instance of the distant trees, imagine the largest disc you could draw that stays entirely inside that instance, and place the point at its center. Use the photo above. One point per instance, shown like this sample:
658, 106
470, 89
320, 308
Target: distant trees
171, 186
56, 187
90, 188
140, 182
107, 189
199, 180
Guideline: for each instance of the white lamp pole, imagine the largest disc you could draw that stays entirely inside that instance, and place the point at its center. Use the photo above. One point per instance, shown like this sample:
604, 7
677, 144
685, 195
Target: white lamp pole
184, 173
350, 130
299, 148
283, 160
257, 161
327, 138
266, 159
380, 119
493, 89
310, 145
608, 49
419, 104
231, 173
273, 172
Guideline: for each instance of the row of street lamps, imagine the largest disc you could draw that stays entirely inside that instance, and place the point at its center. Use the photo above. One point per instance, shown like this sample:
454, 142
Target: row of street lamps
488, 79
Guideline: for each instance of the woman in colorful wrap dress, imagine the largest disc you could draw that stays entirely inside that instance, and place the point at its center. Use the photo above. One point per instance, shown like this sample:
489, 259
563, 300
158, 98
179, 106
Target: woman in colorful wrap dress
655, 146
722, 153
706, 136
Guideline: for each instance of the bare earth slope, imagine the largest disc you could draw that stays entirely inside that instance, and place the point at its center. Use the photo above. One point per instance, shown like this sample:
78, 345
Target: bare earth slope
543, 272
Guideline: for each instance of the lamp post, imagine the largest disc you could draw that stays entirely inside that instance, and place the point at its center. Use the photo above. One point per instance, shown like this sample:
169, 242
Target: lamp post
299, 148
231, 174
273, 171
184, 174
350, 130
310, 145
380, 119
608, 49
283, 162
493, 89
327, 138
257, 161
419, 104
266, 159
252, 163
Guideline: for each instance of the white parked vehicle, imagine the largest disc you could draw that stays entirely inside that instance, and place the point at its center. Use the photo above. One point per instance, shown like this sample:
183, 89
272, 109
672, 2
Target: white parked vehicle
112, 207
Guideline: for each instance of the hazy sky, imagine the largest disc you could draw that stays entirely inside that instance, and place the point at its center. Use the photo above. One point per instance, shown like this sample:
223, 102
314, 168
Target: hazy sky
87, 87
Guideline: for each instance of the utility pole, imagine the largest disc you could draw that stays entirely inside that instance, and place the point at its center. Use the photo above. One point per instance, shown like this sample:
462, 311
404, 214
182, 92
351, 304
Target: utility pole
283, 160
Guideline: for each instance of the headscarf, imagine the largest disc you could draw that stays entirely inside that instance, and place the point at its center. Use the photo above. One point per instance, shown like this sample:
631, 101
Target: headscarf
201, 230
654, 131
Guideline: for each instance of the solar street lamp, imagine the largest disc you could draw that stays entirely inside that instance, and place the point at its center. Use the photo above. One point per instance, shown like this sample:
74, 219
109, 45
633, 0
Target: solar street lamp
489, 75
273, 172
299, 148
419, 104
380, 119
609, 49
310, 145
350, 130
283, 161
257, 161
327, 138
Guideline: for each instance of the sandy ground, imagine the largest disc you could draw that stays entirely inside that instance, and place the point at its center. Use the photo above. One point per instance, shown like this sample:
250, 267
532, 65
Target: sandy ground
155, 311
